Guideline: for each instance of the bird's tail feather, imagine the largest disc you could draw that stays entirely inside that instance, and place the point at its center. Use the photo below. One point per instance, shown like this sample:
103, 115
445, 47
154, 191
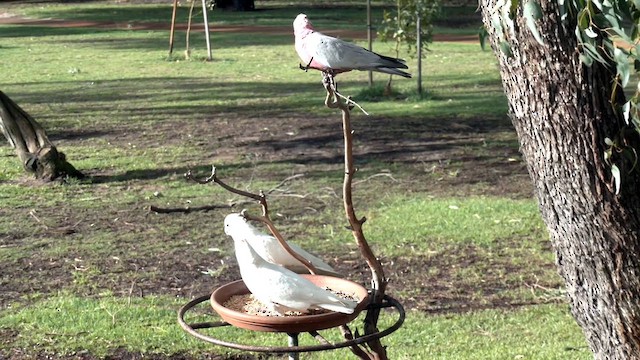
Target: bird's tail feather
337, 308
393, 71
394, 62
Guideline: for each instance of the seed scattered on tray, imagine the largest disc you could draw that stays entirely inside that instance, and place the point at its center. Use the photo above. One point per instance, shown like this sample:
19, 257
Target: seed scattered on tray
247, 304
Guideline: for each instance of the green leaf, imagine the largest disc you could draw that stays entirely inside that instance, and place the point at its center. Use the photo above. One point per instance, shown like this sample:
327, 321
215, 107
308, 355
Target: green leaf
607, 155
482, 35
590, 33
587, 60
506, 48
626, 110
615, 172
592, 52
531, 13
608, 141
622, 65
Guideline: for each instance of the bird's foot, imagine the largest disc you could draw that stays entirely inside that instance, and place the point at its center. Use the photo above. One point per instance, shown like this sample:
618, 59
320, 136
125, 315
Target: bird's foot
306, 67
329, 81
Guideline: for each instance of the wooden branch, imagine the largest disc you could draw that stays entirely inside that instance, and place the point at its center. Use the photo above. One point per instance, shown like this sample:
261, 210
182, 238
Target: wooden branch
265, 219
378, 280
214, 178
188, 209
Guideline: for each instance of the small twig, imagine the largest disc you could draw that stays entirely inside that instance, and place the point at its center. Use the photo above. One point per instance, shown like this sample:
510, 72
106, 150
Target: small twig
349, 101
374, 176
215, 179
133, 284
33, 215
286, 180
319, 337
188, 209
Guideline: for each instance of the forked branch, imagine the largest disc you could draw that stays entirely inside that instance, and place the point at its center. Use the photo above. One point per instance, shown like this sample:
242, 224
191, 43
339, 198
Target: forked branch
265, 219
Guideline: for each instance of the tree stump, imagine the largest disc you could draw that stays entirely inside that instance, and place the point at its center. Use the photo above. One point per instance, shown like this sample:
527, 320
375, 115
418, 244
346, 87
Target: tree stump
36, 153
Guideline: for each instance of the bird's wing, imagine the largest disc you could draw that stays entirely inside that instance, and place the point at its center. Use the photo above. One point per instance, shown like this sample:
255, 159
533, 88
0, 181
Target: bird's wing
314, 260
338, 54
270, 249
295, 292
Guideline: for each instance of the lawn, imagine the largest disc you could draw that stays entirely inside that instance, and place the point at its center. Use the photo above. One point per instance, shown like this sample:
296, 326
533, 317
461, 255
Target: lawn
89, 271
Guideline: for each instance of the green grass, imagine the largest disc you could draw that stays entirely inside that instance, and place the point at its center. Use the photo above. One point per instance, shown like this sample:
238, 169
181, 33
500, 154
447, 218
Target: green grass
93, 270
65, 324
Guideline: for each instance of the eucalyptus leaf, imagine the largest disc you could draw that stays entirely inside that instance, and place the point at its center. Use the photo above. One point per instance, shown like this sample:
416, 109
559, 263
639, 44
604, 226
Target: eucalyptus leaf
615, 172
590, 33
622, 66
626, 110
506, 48
597, 3
591, 51
607, 155
587, 60
531, 13
483, 34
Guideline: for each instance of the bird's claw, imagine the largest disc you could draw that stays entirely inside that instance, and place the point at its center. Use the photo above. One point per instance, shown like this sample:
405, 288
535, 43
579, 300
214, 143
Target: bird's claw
306, 67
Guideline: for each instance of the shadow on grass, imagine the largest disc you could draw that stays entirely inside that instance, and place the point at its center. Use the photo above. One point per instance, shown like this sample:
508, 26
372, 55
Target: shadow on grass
161, 98
323, 14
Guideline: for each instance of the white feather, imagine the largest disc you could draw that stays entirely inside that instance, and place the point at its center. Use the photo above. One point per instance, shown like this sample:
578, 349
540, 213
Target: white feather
281, 288
270, 249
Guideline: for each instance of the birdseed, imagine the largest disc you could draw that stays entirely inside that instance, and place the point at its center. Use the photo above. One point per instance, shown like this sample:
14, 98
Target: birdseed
248, 304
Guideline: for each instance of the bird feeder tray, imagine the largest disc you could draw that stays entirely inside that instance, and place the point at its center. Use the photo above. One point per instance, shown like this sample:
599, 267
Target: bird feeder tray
294, 323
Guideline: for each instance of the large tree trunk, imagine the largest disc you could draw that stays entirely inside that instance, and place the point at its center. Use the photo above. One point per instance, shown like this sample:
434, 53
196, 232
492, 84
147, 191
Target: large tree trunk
562, 115
35, 151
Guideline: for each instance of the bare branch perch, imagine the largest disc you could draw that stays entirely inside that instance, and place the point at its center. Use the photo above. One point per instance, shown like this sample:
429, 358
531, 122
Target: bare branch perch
378, 280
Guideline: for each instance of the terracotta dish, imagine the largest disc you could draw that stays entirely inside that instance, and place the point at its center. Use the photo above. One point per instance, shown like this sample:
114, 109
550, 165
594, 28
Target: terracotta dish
292, 324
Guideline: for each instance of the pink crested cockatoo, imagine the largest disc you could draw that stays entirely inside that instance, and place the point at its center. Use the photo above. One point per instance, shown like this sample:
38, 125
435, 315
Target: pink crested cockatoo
326, 53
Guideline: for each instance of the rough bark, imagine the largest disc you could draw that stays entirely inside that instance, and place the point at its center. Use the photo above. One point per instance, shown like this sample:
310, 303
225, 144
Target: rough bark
36, 153
562, 115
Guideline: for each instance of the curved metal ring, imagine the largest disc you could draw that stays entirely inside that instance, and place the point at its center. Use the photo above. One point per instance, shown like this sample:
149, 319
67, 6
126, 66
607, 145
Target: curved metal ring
191, 330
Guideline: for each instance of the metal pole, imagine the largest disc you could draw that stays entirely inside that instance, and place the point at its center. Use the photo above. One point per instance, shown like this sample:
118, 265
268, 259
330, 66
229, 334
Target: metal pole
293, 341
419, 48
206, 29
369, 37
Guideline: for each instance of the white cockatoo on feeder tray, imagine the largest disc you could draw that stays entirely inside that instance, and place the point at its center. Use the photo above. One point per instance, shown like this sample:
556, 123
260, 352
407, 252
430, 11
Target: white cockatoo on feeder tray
278, 288
268, 247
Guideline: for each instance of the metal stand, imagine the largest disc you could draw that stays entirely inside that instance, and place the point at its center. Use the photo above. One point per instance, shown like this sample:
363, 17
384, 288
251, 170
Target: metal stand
293, 349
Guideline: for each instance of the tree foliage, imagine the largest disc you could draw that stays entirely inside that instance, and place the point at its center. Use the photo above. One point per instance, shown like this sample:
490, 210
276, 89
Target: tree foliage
401, 23
607, 32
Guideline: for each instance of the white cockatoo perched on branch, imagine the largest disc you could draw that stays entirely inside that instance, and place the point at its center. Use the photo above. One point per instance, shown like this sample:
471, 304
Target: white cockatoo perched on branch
270, 249
277, 287
328, 54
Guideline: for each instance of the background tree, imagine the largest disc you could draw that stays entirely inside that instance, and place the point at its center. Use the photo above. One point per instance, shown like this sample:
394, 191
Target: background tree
401, 25
563, 76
